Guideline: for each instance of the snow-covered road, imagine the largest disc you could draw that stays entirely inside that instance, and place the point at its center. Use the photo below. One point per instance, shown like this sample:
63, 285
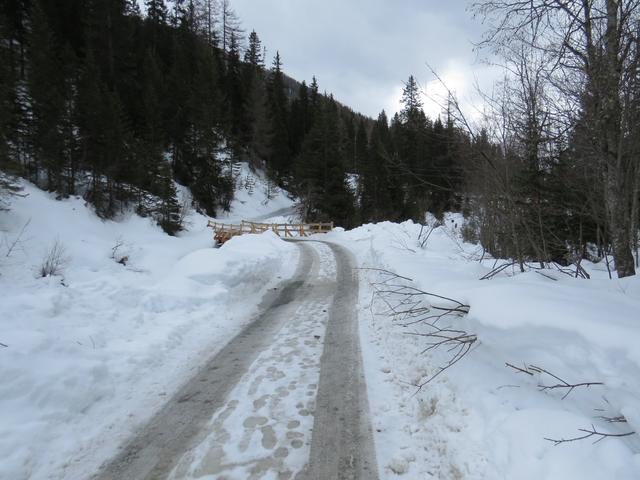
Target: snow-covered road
285, 398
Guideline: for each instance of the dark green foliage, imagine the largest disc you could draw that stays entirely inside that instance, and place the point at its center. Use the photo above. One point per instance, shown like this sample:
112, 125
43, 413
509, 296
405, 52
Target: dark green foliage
321, 172
97, 100
156, 11
253, 54
50, 96
279, 156
7, 97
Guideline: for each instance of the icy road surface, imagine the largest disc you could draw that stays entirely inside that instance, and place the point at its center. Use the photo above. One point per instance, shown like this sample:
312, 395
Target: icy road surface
285, 399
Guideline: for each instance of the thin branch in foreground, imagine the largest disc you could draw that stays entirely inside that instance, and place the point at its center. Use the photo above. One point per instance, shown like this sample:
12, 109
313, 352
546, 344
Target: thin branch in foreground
11, 246
588, 433
521, 370
410, 306
563, 384
618, 419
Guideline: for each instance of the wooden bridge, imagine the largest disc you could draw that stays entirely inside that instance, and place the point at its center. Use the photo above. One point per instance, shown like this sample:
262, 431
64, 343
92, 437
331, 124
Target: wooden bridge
225, 231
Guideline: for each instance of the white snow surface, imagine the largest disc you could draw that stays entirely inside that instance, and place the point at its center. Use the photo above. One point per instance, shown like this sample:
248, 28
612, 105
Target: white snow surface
94, 351
101, 346
479, 419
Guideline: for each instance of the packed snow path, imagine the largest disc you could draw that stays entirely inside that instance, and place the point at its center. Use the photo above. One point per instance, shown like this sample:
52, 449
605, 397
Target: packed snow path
285, 399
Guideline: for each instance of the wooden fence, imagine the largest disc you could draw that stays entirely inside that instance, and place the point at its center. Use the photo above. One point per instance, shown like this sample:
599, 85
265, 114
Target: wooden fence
224, 231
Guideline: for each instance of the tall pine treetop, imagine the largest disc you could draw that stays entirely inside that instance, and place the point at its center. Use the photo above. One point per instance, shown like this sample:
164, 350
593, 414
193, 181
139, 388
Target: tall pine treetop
253, 55
410, 98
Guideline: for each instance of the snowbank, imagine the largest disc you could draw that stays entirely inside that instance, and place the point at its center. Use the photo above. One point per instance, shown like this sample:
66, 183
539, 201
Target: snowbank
481, 420
98, 348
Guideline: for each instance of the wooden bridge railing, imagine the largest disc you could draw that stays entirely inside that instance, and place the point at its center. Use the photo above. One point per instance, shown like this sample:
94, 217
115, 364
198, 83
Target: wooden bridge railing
224, 231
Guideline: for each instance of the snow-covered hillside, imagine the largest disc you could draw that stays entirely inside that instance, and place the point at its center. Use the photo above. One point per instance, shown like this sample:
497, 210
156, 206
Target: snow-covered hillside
481, 419
130, 313
257, 198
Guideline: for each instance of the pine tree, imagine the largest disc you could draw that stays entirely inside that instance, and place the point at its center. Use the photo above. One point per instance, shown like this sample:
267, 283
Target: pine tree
132, 8
151, 138
361, 153
17, 14
279, 161
156, 11
321, 173
299, 119
381, 195
235, 101
337, 201
253, 54
410, 132
314, 103
202, 140
95, 116
48, 101
410, 99
7, 97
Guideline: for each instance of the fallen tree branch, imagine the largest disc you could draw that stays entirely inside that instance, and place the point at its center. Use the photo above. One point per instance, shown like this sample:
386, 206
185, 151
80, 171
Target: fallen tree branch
410, 306
618, 419
588, 433
563, 384
497, 270
11, 246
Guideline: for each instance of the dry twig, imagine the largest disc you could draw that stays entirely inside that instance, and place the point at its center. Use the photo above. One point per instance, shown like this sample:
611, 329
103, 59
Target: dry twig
563, 384
588, 433
413, 307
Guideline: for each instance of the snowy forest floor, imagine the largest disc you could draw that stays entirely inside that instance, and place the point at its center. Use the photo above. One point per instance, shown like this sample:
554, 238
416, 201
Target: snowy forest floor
94, 352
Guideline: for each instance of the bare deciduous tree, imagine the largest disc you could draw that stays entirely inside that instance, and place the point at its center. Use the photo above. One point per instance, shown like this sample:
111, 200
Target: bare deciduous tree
592, 48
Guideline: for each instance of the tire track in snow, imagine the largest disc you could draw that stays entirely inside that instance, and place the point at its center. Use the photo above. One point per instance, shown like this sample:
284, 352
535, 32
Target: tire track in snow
182, 422
277, 401
342, 446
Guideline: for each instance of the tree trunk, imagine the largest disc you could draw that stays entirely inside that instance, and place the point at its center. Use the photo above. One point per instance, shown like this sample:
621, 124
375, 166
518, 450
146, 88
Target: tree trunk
618, 212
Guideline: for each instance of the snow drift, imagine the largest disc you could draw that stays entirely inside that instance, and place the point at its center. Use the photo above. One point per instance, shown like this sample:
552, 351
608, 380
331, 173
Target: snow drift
480, 419
100, 346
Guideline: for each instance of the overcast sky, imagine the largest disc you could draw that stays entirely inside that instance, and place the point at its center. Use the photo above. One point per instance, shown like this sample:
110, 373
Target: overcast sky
363, 50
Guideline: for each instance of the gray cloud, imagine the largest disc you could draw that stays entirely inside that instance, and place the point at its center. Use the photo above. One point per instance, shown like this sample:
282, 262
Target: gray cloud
362, 51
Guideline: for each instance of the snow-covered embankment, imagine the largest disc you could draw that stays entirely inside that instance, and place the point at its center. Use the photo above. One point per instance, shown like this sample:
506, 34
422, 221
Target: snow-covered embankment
93, 351
480, 419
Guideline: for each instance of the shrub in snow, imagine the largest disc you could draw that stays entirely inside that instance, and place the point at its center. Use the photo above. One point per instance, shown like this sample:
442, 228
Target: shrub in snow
54, 261
119, 252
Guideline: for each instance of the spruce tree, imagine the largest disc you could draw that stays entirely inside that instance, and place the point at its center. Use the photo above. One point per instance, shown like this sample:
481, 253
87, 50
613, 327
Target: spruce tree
361, 153
235, 101
48, 100
299, 119
7, 97
156, 11
321, 173
253, 54
90, 121
279, 162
